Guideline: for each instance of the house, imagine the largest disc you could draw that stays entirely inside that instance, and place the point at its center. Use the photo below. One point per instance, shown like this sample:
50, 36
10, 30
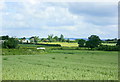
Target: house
24, 41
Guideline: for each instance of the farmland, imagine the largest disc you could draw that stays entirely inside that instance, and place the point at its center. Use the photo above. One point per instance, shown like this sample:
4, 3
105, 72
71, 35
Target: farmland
61, 65
66, 44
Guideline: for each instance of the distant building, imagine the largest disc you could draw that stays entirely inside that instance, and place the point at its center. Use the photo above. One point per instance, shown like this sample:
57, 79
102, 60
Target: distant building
24, 41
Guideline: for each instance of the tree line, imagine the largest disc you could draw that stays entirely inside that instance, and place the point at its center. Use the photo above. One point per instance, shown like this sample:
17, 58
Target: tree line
50, 38
93, 42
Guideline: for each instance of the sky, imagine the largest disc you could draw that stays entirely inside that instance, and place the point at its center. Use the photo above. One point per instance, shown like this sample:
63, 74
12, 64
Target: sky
72, 19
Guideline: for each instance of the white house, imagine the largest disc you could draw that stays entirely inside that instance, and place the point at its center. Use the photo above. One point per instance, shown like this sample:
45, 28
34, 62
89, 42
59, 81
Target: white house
24, 41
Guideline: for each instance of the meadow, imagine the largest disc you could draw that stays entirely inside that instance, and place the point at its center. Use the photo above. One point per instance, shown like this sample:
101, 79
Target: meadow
61, 65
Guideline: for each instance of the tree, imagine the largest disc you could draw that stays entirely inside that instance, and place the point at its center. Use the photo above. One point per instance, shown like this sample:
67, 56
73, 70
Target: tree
10, 43
31, 39
36, 39
93, 41
81, 42
68, 40
50, 38
61, 39
4, 37
56, 38
118, 42
44, 40
23, 38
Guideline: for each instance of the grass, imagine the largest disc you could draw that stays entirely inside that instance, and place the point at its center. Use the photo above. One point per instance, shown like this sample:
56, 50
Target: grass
22, 51
61, 65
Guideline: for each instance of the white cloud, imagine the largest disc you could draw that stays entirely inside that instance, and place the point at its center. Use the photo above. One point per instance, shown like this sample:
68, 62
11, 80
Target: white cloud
2, 5
38, 18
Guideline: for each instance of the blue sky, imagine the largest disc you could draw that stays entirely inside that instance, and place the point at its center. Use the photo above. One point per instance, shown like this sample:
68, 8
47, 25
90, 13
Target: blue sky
72, 19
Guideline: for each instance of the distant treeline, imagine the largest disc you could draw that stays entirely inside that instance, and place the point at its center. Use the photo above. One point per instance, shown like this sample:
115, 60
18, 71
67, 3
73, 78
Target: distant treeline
93, 42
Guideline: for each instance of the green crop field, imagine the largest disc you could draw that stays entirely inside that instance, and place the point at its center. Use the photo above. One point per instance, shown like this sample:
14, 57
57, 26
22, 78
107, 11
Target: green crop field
62, 65
109, 44
64, 44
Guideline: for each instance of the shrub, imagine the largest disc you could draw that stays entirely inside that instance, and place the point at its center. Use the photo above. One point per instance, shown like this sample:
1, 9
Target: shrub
108, 48
10, 43
53, 58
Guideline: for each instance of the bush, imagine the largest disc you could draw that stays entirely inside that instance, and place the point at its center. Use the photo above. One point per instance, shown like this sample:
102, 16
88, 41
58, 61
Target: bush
108, 48
81, 42
10, 43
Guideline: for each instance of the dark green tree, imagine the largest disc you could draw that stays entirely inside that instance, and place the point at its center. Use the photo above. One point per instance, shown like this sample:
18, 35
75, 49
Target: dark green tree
118, 42
50, 38
44, 40
10, 43
61, 39
23, 38
4, 37
81, 42
68, 40
36, 39
56, 38
31, 39
93, 41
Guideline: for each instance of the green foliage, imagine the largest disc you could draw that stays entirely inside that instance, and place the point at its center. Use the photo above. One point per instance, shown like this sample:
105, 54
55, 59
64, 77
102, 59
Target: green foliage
93, 41
50, 38
4, 37
118, 42
61, 39
111, 40
36, 39
81, 42
108, 48
23, 38
68, 40
56, 39
31, 39
10, 43
44, 40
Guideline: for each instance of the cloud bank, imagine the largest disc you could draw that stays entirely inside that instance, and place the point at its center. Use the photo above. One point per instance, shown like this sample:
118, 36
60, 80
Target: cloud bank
72, 19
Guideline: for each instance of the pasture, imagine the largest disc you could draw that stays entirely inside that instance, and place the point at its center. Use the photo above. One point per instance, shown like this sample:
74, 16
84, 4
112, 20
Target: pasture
61, 65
